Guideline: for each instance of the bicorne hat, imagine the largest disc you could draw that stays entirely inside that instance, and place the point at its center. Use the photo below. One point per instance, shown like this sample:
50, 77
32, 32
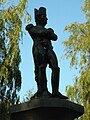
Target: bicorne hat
39, 12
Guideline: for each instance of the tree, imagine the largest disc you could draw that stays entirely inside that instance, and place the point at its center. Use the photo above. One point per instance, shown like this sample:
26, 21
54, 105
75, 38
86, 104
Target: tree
77, 49
10, 35
29, 94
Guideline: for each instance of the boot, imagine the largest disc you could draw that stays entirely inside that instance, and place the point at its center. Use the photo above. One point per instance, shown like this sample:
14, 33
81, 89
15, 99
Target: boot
55, 84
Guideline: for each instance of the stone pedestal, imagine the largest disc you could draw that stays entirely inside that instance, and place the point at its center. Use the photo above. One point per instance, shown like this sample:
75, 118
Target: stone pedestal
47, 109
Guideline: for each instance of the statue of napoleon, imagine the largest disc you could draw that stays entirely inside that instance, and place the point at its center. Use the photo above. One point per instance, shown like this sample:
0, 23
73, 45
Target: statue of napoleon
43, 55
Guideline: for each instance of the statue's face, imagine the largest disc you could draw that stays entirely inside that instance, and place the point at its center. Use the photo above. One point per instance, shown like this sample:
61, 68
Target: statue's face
43, 20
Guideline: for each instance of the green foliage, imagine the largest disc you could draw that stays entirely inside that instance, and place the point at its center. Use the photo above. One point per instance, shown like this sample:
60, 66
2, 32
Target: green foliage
86, 9
10, 35
3, 1
77, 46
80, 92
77, 49
28, 95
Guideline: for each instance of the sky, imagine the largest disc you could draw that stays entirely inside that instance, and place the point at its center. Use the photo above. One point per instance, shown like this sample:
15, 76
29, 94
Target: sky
60, 13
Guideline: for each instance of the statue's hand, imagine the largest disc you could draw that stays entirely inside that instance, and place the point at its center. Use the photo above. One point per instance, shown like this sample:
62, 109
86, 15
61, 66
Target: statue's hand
29, 26
51, 34
50, 29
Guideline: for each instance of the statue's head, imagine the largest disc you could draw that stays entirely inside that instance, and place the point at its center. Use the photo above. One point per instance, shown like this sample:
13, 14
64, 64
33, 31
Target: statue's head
40, 16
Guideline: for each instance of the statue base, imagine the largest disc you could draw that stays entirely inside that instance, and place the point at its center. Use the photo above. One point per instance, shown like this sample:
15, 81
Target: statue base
47, 109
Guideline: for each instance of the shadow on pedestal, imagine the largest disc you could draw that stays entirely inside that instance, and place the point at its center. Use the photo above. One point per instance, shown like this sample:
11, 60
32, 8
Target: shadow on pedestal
47, 109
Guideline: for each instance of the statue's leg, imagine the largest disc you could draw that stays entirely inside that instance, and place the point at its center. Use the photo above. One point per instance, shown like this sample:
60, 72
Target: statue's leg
42, 77
36, 58
37, 79
40, 72
55, 71
55, 75
55, 80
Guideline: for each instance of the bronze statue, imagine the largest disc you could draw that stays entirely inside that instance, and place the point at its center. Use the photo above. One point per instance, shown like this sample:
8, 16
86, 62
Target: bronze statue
43, 55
